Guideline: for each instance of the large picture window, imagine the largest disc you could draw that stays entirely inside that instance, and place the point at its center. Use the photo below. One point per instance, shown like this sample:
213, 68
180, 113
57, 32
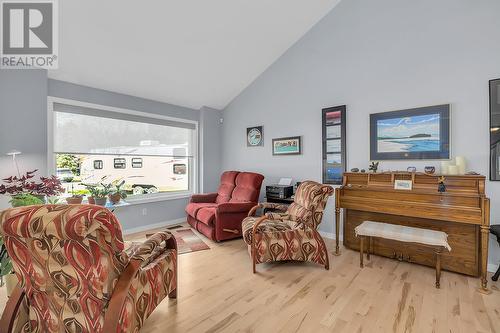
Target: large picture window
91, 144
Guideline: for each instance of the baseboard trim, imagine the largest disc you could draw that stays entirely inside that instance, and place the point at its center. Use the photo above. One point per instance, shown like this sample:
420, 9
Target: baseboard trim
328, 235
491, 267
143, 228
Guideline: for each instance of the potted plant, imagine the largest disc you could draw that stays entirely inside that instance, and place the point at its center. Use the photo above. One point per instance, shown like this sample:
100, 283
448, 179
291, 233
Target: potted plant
25, 199
76, 196
117, 193
22, 189
6, 271
93, 190
101, 195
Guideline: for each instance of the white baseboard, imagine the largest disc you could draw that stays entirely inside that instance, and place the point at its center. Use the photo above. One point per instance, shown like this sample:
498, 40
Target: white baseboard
328, 235
491, 267
143, 228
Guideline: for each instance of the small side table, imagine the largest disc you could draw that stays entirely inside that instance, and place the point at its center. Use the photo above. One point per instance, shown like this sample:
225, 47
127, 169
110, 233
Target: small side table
495, 230
285, 201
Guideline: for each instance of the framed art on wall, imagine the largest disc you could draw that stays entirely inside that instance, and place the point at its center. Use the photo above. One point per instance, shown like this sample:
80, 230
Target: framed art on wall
495, 129
287, 146
255, 136
334, 144
413, 134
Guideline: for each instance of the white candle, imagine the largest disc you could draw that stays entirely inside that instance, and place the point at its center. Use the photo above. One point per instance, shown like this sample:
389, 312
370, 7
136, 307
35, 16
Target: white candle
444, 167
461, 164
452, 170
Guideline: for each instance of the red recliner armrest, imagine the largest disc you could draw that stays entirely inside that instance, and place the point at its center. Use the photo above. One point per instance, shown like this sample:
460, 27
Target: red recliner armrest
204, 198
235, 207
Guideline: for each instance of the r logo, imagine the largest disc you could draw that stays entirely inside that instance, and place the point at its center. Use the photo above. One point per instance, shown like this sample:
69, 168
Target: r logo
27, 27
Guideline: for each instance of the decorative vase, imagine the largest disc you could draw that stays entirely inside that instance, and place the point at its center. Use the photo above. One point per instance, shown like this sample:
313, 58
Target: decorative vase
74, 200
101, 201
91, 200
461, 164
115, 198
11, 282
429, 170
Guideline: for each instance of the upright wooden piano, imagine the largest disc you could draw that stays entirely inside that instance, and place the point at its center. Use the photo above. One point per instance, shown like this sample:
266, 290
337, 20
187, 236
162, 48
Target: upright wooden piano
463, 212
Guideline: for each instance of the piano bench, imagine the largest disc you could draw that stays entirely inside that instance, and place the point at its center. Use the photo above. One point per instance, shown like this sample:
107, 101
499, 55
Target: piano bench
436, 241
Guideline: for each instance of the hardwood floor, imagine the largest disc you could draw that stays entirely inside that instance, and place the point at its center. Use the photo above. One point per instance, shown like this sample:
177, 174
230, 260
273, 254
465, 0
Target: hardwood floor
218, 293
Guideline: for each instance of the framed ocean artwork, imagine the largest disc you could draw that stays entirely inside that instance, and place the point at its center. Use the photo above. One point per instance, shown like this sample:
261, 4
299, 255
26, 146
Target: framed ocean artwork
287, 146
413, 134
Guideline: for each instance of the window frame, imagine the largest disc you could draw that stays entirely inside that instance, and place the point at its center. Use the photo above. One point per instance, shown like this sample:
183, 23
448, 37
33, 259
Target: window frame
194, 170
134, 160
101, 163
122, 161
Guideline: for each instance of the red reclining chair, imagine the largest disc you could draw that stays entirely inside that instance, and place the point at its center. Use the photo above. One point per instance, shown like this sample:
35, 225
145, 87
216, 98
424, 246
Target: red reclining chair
218, 215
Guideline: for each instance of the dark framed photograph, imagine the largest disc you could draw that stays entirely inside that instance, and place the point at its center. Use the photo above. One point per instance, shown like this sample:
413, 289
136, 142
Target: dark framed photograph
334, 144
495, 129
287, 146
255, 136
413, 134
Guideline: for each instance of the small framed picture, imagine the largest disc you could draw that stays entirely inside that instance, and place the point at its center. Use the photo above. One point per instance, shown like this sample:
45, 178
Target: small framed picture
255, 136
287, 146
400, 184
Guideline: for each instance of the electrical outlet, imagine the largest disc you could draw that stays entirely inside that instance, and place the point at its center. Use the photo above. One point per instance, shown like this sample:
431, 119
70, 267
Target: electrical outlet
144, 211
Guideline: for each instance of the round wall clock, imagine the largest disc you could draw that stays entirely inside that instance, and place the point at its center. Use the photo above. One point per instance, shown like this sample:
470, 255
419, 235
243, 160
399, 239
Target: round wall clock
255, 136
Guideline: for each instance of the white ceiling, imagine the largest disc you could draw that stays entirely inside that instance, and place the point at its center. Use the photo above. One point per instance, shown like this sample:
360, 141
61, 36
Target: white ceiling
192, 53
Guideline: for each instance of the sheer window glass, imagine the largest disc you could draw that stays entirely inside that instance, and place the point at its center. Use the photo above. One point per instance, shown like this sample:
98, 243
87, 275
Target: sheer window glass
144, 151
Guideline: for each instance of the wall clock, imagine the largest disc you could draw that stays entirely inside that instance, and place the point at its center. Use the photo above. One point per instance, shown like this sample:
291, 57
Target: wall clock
255, 136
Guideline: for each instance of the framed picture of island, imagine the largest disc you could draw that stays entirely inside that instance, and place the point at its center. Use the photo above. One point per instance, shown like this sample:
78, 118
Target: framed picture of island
413, 134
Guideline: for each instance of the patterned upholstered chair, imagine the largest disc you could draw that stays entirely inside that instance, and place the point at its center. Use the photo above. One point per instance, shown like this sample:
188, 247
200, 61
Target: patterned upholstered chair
75, 275
291, 235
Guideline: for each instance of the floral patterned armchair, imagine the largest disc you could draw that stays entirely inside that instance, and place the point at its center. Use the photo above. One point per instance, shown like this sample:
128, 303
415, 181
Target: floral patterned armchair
291, 235
75, 275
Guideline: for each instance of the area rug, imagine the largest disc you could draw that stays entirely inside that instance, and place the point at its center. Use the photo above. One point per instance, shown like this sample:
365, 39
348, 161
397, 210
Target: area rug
187, 240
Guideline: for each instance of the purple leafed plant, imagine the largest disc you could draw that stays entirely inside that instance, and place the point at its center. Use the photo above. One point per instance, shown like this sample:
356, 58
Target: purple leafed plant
14, 185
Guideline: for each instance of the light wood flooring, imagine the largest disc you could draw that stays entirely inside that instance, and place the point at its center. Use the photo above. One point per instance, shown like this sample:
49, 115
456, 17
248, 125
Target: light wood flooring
218, 293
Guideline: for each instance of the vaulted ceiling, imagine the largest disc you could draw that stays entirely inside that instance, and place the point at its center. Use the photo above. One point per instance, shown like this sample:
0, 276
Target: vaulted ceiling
187, 52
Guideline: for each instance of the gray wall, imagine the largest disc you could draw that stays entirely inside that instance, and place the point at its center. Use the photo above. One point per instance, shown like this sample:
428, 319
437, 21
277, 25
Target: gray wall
374, 56
23, 121
211, 141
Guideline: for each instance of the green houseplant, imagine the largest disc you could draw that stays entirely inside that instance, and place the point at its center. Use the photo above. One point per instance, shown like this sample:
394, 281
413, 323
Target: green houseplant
6, 270
117, 193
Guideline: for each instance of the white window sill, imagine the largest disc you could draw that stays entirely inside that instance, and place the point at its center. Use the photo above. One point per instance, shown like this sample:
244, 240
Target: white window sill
158, 198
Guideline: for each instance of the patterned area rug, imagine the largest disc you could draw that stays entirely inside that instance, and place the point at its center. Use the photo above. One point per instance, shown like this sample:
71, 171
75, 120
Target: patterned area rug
187, 240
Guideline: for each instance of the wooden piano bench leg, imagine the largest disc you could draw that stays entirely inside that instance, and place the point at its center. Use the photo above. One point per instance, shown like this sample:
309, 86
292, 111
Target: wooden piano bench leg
361, 254
438, 269
369, 248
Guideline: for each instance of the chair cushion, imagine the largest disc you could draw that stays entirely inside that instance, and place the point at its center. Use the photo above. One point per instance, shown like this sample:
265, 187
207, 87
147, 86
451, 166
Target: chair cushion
247, 187
206, 215
268, 227
193, 208
226, 187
